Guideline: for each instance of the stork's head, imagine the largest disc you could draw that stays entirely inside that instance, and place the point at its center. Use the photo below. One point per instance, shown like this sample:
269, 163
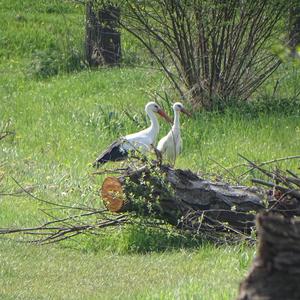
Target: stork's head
152, 106
179, 107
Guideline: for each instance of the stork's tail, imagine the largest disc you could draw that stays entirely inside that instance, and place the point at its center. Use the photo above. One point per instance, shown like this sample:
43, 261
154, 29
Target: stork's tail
113, 153
99, 162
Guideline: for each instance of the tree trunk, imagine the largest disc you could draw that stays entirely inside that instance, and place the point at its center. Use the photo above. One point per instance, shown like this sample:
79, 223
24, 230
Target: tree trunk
103, 41
183, 199
294, 28
275, 273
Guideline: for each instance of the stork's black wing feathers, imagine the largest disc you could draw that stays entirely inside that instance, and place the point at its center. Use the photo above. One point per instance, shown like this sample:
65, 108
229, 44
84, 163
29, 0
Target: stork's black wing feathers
113, 153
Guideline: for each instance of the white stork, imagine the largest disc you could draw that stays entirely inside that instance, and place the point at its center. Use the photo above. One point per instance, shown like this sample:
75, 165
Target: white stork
171, 145
142, 140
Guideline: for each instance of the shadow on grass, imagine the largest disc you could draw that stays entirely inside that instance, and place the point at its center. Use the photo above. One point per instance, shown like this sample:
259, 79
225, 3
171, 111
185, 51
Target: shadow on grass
136, 239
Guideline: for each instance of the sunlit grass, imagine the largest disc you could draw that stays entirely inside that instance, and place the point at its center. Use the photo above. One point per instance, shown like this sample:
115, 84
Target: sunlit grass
30, 272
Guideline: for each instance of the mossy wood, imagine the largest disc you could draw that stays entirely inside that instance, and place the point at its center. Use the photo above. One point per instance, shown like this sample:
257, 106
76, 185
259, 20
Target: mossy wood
275, 272
182, 198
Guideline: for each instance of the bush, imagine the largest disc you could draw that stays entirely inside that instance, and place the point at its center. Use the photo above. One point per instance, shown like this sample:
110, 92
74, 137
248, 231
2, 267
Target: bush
211, 51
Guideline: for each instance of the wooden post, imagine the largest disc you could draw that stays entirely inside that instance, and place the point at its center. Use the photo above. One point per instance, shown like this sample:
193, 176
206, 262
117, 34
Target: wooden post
103, 40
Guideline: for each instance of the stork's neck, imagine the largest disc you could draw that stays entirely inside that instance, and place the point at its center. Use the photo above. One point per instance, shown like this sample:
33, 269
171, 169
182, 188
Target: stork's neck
176, 124
154, 126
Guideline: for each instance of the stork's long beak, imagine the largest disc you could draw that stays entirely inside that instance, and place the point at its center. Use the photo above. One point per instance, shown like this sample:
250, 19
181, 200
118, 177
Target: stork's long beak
186, 112
164, 115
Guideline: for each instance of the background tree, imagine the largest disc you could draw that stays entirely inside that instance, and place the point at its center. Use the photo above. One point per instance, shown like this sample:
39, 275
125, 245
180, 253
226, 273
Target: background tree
103, 41
294, 40
212, 51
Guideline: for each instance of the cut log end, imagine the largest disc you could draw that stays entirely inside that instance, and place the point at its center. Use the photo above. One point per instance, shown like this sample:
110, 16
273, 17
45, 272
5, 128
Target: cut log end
112, 194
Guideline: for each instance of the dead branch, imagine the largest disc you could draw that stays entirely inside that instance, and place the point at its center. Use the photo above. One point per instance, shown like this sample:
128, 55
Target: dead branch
5, 130
6, 134
61, 231
289, 185
272, 161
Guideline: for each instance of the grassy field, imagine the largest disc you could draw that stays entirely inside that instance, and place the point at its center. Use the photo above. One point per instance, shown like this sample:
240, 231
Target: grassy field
62, 122
54, 273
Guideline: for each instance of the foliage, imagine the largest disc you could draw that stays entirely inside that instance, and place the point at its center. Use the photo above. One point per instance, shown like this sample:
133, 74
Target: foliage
44, 64
139, 237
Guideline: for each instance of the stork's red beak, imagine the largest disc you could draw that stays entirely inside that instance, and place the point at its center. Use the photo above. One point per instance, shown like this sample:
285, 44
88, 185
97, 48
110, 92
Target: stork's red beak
186, 112
164, 115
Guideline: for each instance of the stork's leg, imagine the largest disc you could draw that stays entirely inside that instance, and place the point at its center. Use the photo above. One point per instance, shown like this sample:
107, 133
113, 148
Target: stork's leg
158, 154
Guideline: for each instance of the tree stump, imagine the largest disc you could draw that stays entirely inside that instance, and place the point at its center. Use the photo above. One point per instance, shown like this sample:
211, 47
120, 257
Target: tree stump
103, 40
275, 272
294, 41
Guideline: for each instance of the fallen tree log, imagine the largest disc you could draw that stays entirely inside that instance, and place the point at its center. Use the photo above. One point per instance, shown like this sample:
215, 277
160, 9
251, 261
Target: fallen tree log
183, 199
275, 271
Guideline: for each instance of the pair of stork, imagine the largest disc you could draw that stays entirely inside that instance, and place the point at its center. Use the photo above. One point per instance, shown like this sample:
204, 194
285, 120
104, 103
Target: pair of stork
169, 146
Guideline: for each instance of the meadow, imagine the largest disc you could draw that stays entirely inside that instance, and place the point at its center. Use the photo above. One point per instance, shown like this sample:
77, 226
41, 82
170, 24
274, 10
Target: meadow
64, 115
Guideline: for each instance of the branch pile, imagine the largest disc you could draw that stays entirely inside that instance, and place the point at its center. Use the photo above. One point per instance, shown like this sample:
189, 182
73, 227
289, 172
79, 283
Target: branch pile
284, 187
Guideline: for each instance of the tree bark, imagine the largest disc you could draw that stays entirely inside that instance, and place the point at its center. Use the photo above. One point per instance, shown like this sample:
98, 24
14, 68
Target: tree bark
275, 272
183, 199
294, 28
103, 40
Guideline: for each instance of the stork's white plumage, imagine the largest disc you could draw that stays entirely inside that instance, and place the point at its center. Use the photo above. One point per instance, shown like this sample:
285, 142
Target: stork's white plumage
142, 140
171, 145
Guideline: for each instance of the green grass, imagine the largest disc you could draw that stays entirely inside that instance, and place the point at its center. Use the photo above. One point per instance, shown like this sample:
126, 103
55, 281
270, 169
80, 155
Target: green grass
28, 26
61, 125
29, 272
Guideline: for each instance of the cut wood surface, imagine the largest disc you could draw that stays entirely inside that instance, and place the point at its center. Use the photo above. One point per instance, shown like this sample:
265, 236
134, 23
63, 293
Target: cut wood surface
112, 194
275, 272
